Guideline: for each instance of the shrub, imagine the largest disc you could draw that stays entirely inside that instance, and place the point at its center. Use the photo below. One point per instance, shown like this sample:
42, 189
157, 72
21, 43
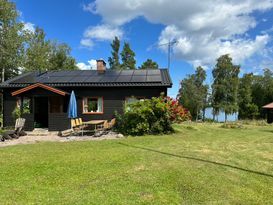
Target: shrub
153, 116
177, 112
232, 125
16, 113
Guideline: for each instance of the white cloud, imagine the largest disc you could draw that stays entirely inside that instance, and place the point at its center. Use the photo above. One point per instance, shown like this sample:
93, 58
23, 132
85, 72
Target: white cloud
29, 27
85, 42
100, 33
91, 65
204, 29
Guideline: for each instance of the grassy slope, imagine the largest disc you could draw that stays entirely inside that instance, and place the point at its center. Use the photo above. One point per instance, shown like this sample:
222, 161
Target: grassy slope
200, 164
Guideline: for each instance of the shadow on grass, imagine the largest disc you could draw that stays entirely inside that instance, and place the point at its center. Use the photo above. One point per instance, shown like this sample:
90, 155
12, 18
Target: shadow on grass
198, 159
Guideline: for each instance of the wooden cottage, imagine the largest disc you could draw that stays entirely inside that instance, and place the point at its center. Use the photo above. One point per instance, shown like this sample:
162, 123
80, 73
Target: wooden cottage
43, 97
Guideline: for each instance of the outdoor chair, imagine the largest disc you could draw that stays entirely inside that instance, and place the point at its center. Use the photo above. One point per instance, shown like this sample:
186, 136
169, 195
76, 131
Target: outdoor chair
112, 123
17, 132
77, 125
104, 126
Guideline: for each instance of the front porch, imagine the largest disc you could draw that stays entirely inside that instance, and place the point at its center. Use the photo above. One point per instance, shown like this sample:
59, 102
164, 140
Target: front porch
43, 107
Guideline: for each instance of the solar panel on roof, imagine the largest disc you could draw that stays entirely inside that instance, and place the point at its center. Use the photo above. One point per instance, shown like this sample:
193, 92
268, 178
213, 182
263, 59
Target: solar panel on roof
107, 79
140, 72
93, 79
153, 78
86, 73
78, 79
126, 72
55, 74
112, 73
153, 72
66, 79
123, 78
49, 79
138, 79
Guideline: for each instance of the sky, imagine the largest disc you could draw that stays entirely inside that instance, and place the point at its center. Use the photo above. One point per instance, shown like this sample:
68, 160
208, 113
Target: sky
202, 30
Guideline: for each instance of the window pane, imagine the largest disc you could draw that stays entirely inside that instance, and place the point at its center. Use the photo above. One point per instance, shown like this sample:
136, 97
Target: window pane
99, 104
26, 105
92, 105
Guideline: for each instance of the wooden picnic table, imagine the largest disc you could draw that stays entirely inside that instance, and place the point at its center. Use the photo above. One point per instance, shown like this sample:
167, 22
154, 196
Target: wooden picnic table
94, 122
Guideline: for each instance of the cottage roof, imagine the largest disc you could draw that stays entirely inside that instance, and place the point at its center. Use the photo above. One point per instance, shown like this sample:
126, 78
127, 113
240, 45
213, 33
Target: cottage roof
92, 78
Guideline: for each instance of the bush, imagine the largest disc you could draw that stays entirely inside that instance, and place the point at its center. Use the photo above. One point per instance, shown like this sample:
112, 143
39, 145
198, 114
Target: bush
232, 125
153, 116
177, 112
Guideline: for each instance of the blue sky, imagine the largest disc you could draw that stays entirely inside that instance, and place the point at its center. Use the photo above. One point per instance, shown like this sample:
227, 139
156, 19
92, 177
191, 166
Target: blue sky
204, 30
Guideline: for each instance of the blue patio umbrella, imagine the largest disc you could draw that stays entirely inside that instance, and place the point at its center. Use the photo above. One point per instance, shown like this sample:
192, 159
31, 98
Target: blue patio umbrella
72, 109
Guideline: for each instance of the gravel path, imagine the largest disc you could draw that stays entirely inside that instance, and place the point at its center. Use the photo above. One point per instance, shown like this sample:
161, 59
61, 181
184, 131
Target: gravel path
55, 138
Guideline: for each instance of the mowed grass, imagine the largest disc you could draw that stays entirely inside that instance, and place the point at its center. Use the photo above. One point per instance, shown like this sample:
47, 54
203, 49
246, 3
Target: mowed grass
199, 164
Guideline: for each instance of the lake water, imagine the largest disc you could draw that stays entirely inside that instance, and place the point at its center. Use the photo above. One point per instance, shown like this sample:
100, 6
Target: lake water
221, 116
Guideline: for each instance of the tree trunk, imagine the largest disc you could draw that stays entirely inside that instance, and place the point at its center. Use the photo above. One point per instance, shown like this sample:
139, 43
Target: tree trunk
196, 118
204, 114
225, 117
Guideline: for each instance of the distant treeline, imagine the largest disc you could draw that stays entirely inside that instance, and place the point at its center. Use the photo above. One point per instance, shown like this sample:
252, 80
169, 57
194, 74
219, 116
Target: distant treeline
228, 93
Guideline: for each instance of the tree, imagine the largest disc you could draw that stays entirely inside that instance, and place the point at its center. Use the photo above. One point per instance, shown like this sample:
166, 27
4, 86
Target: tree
37, 52
193, 92
114, 60
12, 38
225, 86
262, 90
202, 89
149, 64
60, 58
43, 55
247, 109
128, 57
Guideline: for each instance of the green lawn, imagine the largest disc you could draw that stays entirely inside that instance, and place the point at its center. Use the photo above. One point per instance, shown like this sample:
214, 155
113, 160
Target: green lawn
199, 164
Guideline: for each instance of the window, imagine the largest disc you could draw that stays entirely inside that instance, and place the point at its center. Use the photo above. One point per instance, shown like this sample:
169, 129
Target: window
93, 105
25, 104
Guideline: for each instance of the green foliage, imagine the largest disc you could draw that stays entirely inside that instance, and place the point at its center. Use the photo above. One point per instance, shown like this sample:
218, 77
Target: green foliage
43, 55
225, 86
247, 109
60, 58
193, 92
149, 64
16, 113
262, 91
128, 57
12, 37
20, 111
144, 117
153, 116
114, 60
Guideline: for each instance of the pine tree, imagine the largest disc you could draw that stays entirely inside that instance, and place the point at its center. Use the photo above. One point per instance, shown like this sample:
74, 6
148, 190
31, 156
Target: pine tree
128, 57
149, 64
114, 60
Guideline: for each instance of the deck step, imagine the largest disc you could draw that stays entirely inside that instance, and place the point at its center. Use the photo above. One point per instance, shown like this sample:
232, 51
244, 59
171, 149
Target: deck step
41, 132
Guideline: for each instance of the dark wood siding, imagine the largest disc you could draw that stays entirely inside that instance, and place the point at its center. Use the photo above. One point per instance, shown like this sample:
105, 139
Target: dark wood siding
113, 100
